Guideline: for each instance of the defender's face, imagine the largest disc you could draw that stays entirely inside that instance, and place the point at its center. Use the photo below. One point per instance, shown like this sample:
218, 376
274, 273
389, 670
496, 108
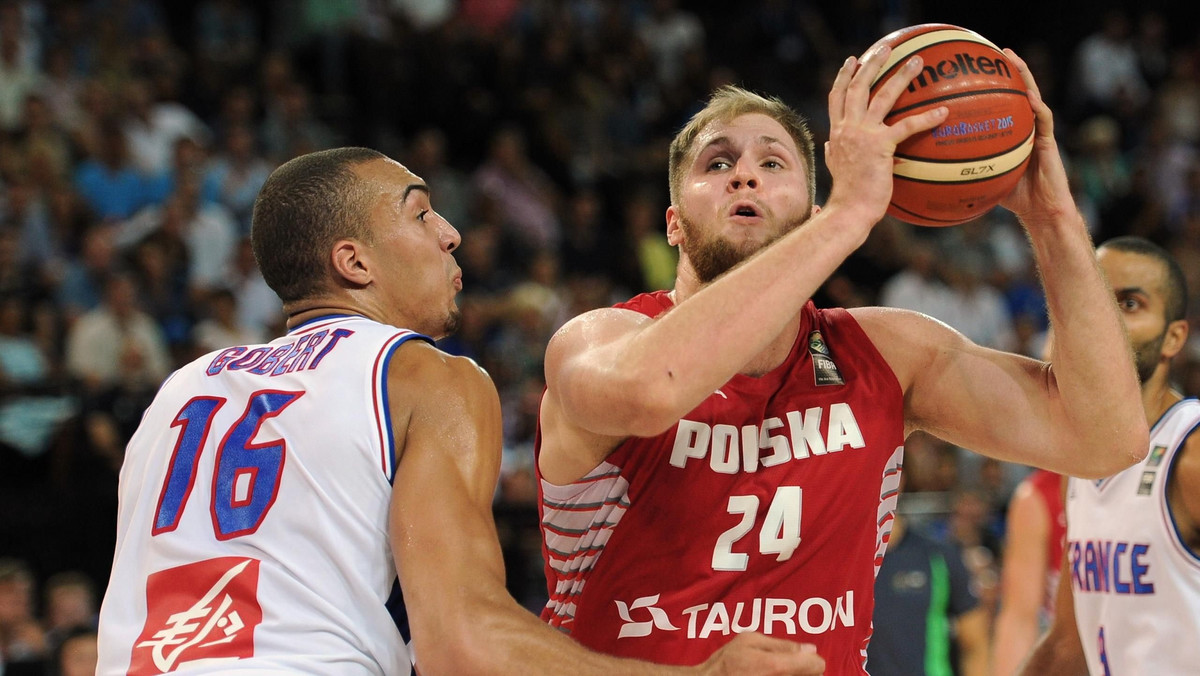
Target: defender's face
745, 187
1138, 283
412, 251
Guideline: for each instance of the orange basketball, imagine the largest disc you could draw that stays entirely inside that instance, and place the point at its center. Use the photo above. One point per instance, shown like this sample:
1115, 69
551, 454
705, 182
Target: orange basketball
967, 164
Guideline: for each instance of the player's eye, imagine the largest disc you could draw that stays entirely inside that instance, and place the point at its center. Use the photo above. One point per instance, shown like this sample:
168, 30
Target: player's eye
421, 216
717, 165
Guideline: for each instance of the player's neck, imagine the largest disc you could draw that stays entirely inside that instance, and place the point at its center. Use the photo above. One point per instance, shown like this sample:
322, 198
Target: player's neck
302, 313
1157, 395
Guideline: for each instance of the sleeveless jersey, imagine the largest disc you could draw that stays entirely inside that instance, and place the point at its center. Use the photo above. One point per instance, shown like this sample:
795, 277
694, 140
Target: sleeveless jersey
1049, 486
252, 528
1136, 585
766, 508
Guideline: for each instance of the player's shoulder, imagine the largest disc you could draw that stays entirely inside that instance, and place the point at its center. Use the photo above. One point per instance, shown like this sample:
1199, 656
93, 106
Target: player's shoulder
892, 319
420, 363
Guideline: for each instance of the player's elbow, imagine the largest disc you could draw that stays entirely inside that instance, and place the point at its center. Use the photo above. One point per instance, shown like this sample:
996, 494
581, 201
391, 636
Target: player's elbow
654, 409
1116, 452
623, 405
451, 652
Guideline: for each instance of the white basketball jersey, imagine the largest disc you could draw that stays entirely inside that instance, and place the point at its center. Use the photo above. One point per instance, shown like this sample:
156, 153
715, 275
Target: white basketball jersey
1136, 584
252, 530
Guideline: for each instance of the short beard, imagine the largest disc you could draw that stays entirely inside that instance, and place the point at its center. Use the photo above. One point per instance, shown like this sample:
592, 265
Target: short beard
712, 256
1146, 356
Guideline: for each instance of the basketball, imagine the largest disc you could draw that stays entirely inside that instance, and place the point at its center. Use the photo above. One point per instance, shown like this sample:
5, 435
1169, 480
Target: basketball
963, 167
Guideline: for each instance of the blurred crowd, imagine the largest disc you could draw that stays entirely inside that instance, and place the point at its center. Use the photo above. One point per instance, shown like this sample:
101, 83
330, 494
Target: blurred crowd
134, 135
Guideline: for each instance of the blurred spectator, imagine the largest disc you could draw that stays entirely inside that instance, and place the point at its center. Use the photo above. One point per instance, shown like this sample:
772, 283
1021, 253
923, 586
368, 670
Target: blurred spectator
918, 286
18, 278
227, 42
42, 135
291, 127
19, 75
238, 171
974, 307
1151, 42
656, 258
1107, 70
593, 245
62, 87
221, 328
670, 33
83, 277
206, 229
117, 342
159, 264
22, 639
524, 196
70, 602
77, 654
927, 618
1100, 166
188, 161
258, 308
109, 183
31, 404
152, 127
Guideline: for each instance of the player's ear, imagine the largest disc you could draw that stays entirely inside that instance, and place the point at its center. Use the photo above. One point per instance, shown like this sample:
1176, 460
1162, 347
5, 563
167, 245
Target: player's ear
349, 262
1175, 338
674, 226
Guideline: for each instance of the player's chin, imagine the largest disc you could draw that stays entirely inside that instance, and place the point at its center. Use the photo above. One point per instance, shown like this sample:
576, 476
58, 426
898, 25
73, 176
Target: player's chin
453, 322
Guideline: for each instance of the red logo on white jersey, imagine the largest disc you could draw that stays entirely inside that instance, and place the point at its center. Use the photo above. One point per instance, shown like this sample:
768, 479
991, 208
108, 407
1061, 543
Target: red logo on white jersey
203, 612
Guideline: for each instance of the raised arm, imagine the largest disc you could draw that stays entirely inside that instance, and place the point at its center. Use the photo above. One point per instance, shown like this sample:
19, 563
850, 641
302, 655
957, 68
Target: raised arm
1022, 579
1077, 416
446, 420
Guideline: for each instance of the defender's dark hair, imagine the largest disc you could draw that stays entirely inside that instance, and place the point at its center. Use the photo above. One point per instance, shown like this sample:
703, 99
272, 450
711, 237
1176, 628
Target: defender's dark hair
306, 205
1175, 290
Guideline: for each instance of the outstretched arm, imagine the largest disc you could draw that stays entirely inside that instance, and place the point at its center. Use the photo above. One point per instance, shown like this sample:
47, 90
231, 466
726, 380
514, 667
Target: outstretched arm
447, 414
1022, 579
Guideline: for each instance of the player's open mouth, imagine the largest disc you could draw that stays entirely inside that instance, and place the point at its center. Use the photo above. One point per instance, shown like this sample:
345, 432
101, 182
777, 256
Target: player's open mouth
744, 210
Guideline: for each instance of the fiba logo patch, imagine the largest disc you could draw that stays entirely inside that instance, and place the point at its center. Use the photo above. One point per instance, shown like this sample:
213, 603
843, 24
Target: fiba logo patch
825, 372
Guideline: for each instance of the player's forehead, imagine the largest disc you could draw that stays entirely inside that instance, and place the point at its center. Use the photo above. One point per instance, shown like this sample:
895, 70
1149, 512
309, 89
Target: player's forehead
748, 130
387, 180
1131, 270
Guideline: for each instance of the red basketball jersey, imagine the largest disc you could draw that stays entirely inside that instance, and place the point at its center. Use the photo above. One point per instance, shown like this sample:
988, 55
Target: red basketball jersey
767, 508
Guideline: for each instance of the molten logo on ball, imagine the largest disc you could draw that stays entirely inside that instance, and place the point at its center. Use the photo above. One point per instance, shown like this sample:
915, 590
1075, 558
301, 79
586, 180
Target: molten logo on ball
962, 64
